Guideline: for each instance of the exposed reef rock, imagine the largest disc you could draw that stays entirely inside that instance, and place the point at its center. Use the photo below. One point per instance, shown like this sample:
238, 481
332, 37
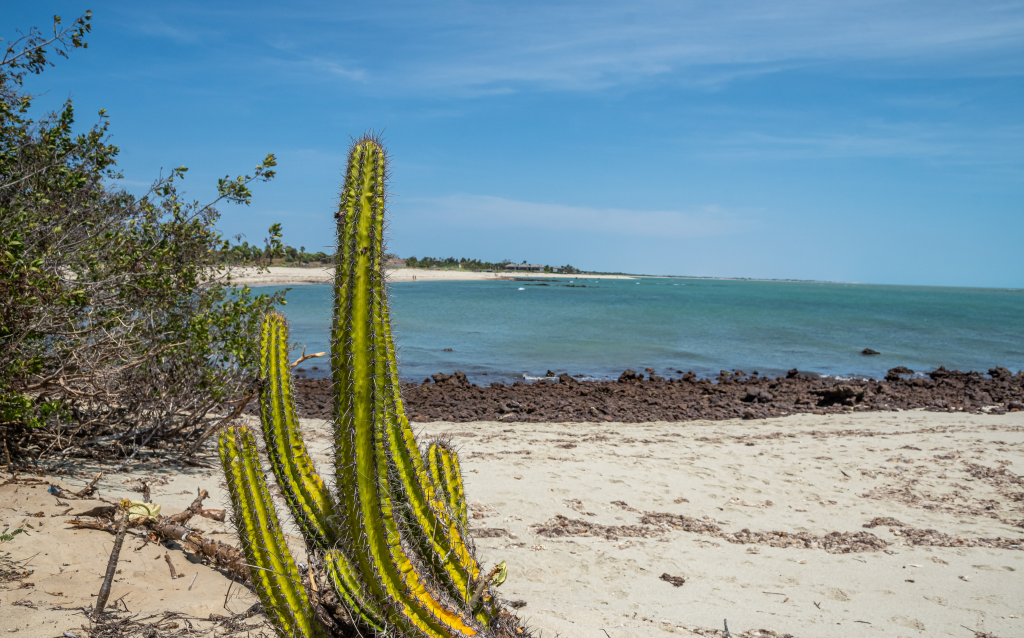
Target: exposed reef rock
632, 398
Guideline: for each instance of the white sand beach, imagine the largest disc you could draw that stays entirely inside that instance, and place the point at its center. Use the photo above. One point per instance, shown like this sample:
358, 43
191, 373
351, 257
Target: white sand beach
635, 498
283, 275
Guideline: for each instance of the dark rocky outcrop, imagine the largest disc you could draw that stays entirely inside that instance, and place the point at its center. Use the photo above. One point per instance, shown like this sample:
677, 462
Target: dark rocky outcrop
633, 398
869, 351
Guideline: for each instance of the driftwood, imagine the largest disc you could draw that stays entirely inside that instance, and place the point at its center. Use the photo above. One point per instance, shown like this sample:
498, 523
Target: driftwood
175, 528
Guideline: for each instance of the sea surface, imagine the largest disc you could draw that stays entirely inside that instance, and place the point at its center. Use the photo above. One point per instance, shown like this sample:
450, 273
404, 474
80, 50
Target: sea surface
515, 330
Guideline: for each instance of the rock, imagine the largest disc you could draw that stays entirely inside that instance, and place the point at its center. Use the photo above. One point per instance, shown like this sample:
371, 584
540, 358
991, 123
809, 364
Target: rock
869, 351
566, 379
739, 373
724, 373
439, 378
649, 371
841, 394
758, 395
628, 375
894, 373
1001, 373
941, 373
457, 379
690, 376
792, 374
549, 374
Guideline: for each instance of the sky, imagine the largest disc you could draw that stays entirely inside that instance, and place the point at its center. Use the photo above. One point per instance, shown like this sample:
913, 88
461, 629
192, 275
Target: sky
873, 141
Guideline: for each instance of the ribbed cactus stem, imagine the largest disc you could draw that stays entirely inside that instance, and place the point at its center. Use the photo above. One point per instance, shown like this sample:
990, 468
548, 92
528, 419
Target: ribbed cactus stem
446, 473
275, 575
304, 490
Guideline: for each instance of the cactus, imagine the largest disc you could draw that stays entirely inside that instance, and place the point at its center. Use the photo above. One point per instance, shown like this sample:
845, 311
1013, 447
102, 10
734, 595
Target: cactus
391, 539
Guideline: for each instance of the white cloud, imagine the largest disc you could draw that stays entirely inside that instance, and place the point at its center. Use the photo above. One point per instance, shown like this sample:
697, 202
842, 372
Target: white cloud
496, 213
588, 45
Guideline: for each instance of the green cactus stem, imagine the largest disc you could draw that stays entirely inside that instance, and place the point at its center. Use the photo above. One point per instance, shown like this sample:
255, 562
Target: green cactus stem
271, 565
446, 474
391, 537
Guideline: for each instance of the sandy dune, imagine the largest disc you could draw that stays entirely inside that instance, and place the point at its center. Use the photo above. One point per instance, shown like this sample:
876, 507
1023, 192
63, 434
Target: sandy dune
628, 494
282, 275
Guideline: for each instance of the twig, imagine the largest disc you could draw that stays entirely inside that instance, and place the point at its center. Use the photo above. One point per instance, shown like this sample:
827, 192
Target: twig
7, 453
727, 634
480, 588
193, 581
115, 553
228, 594
167, 557
145, 493
90, 488
307, 356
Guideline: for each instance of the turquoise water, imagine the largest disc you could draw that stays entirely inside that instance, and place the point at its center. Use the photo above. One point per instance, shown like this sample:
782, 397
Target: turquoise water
504, 330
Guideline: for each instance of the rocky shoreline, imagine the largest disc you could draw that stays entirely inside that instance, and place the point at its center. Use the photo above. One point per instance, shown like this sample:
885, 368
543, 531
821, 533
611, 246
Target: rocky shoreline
641, 397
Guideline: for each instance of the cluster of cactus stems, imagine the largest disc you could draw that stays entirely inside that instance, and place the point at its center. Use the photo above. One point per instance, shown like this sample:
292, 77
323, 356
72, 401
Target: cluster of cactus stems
390, 539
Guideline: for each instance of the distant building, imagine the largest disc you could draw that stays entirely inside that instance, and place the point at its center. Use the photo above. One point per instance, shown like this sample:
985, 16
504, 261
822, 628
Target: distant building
395, 262
526, 267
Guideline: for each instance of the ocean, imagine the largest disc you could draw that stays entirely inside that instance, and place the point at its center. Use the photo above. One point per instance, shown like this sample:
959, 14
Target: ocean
516, 330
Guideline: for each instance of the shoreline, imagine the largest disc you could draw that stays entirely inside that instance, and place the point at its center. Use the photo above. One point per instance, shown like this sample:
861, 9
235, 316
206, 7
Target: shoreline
285, 276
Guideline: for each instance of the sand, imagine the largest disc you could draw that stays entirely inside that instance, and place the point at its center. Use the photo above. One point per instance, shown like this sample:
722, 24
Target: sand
954, 473
283, 275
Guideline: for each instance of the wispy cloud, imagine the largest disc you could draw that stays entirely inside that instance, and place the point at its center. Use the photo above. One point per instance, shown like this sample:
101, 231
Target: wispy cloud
592, 45
497, 213
935, 143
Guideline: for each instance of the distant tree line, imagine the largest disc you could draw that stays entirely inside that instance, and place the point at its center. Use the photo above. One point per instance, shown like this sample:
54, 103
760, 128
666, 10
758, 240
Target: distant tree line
244, 254
451, 263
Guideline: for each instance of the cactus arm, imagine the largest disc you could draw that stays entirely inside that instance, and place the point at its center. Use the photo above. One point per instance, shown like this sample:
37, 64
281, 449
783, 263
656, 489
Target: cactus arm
350, 586
273, 570
304, 490
446, 473
438, 535
360, 457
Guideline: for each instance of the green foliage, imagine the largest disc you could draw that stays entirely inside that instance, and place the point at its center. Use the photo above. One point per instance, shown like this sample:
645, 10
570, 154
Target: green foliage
113, 306
8, 535
391, 538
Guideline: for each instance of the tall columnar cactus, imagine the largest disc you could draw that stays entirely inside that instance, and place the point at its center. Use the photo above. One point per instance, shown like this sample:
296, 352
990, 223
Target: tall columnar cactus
391, 539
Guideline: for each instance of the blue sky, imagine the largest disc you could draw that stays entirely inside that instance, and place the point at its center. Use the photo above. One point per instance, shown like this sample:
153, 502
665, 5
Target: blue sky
876, 141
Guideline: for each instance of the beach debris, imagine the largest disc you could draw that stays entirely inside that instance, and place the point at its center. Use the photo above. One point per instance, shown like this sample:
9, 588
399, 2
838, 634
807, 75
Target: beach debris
624, 505
675, 581
115, 554
90, 488
576, 505
654, 524
175, 527
174, 573
561, 526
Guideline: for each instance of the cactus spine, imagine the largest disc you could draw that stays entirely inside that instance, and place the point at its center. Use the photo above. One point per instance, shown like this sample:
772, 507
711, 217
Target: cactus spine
391, 539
